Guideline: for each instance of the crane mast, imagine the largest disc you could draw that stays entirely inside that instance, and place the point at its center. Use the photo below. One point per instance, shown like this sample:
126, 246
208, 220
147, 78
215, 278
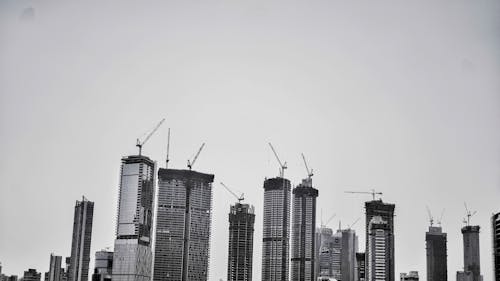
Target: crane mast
282, 165
168, 149
190, 164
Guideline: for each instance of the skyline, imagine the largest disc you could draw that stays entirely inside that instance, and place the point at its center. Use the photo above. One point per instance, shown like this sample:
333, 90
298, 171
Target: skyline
403, 99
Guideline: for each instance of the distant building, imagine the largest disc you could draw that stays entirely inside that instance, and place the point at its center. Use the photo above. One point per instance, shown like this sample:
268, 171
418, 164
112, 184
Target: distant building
183, 225
379, 250
323, 248
276, 236
360, 266
437, 264
465, 276
495, 222
103, 268
80, 244
385, 212
55, 271
348, 255
411, 276
12, 278
471, 251
132, 257
303, 230
240, 249
32, 275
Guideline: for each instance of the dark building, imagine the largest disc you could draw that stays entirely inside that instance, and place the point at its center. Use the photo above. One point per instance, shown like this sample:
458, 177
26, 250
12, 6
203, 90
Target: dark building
183, 225
80, 244
360, 266
32, 275
437, 264
471, 251
276, 236
240, 256
103, 268
303, 231
55, 271
411, 276
495, 221
386, 212
348, 255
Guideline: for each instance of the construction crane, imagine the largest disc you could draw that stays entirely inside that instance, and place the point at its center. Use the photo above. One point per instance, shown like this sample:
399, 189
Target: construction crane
309, 172
431, 218
469, 214
282, 165
239, 198
168, 148
190, 164
440, 217
327, 221
372, 192
139, 143
352, 224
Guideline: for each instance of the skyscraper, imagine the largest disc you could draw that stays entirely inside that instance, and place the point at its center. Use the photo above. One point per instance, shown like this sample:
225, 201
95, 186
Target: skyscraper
240, 256
348, 255
276, 237
80, 244
378, 250
103, 268
55, 271
325, 248
435, 241
132, 258
495, 221
303, 231
360, 266
183, 223
386, 213
471, 251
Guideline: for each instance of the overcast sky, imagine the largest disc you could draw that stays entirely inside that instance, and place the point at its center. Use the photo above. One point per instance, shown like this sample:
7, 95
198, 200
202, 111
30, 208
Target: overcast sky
400, 96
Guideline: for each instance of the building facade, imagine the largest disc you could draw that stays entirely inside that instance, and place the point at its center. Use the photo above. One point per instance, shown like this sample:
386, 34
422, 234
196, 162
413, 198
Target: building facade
386, 213
132, 257
495, 228
348, 255
276, 236
80, 244
103, 268
240, 250
303, 231
464, 276
471, 251
437, 258
378, 250
360, 266
32, 275
411, 276
183, 225
55, 271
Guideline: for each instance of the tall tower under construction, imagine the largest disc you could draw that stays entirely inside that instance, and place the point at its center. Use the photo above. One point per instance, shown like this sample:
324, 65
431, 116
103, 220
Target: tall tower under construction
276, 236
303, 231
495, 228
240, 250
437, 264
471, 251
183, 223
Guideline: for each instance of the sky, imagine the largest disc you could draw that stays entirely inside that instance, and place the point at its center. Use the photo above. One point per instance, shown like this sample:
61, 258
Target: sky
399, 96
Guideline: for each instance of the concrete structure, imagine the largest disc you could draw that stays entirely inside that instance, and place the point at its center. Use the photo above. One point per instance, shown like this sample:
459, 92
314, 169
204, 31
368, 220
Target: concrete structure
55, 271
411, 276
348, 255
103, 267
495, 229
437, 264
330, 253
471, 251
379, 250
360, 266
303, 231
80, 244
464, 276
183, 223
276, 236
240, 249
386, 213
132, 257
32, 275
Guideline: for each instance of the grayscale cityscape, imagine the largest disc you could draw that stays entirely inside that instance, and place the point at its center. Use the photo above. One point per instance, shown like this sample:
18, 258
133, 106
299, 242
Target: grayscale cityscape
241, 140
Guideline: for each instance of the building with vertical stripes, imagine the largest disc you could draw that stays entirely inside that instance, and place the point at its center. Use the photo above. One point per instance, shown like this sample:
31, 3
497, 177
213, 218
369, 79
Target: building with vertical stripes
240, 249
437, 264
378, 250
495, 229
80, 244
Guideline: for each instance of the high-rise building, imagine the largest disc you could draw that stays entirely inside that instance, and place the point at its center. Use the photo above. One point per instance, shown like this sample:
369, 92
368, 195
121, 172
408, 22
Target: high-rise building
240, 256
276, 236
360, 266
464, 276
471, 251
378, 250
183, 223
386, 213
132, 257
435, 241
495, 227
32, 275
411, 276
55, 271
348, 255
103, 268
324, 252
80, 244
303, 231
